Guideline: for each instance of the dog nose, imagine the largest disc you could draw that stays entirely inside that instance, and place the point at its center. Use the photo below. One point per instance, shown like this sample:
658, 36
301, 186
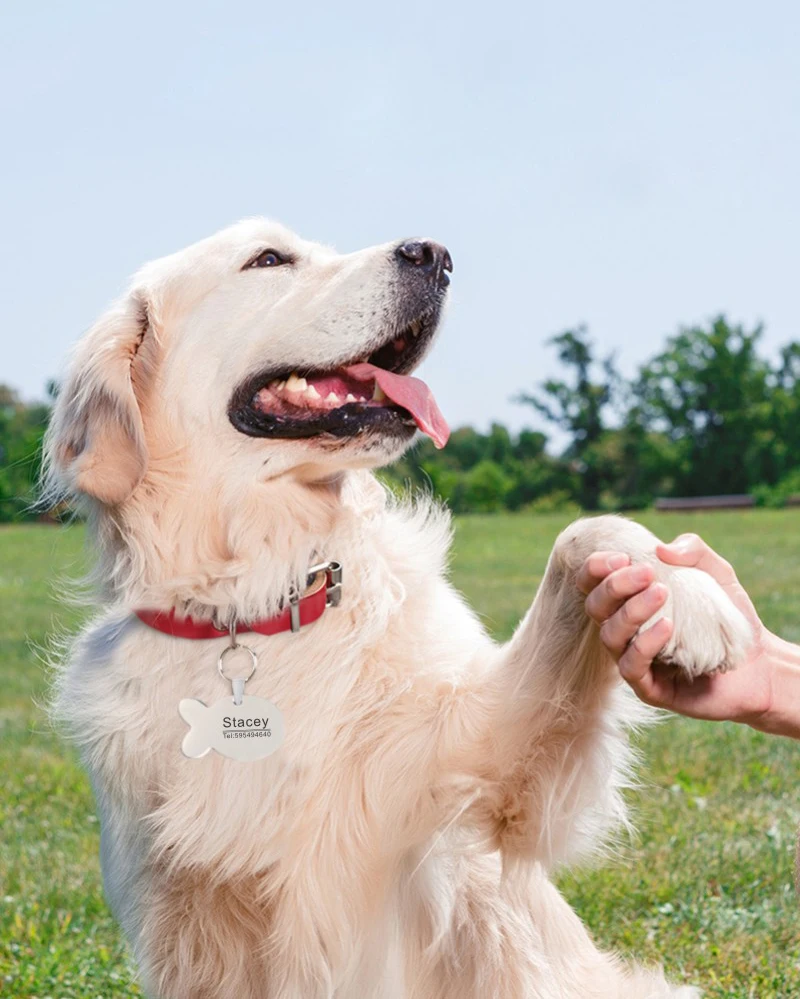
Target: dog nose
429, 259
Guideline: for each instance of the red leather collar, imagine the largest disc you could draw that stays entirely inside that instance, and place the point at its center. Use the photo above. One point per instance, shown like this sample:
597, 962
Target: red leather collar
325, 592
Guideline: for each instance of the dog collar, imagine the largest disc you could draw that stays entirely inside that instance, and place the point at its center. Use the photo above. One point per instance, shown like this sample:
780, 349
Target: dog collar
325, 590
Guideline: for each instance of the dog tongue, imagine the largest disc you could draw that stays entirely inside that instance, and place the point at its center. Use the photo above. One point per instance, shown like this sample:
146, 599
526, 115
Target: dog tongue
410, 393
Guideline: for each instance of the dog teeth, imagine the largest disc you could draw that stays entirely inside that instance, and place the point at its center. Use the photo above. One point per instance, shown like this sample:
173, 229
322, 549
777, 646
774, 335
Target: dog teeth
311, 393
349, 397
416, 327
281, 386
378, 394
332, 397
295, 384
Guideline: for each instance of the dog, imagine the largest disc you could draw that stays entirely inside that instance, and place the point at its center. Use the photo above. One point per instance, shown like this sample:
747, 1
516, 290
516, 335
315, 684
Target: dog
219, 426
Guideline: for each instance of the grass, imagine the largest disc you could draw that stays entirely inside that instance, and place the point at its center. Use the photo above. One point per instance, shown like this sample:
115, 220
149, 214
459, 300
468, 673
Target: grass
705, 886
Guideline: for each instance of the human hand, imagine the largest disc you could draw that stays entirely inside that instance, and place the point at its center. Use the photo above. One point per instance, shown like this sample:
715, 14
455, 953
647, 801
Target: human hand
622, 597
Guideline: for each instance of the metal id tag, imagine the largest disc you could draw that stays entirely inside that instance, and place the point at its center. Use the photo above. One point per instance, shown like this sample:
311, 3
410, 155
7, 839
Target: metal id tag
246, 731
237, 726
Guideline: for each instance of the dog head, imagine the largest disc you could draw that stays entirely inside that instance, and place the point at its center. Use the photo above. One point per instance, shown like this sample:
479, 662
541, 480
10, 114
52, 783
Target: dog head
260, 351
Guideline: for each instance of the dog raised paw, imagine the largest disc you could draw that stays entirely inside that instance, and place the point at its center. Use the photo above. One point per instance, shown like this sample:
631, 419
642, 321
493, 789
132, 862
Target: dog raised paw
710, 634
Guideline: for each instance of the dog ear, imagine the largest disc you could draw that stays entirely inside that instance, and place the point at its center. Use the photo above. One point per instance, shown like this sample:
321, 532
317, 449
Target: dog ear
95, 443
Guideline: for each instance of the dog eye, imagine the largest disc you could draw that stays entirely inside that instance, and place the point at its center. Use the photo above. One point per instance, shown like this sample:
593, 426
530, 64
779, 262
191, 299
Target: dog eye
267, 258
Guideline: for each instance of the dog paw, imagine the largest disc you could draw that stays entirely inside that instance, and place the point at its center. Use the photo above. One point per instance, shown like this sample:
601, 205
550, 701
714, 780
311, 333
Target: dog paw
710, 635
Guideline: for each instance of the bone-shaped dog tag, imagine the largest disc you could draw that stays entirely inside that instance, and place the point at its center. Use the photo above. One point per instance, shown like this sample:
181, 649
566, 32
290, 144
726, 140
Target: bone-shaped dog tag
249, 730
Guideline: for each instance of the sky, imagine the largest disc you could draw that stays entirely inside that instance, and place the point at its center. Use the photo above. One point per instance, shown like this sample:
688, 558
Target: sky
633, 166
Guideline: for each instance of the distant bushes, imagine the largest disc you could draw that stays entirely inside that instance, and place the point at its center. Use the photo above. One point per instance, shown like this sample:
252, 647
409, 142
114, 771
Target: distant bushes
783, 493
483, 473
22, 427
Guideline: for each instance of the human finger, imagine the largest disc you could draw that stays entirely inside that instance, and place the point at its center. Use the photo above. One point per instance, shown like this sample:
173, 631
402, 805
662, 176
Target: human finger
610, 594
618, 631
636, 664
690, 550
597, 566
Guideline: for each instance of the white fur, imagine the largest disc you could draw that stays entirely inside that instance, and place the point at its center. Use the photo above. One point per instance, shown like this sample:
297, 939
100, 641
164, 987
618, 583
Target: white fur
365, 859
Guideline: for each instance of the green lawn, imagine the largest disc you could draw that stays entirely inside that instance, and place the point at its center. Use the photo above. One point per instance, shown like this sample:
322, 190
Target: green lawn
706, 885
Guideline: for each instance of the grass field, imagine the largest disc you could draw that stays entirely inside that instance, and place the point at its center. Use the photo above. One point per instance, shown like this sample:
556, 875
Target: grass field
705, 886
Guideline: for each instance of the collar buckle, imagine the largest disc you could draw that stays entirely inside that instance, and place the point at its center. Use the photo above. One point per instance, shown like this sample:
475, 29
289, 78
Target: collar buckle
333, 584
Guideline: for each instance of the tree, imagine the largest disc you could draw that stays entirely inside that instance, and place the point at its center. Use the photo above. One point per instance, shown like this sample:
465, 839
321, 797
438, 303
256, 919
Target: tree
579, 405
780, 424
709, 393
22, 427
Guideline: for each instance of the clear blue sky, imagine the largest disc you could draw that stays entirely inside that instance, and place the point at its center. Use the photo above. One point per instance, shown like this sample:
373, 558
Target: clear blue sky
631, 165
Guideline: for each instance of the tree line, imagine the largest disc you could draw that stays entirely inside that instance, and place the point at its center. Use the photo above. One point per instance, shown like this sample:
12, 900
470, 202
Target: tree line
709, 414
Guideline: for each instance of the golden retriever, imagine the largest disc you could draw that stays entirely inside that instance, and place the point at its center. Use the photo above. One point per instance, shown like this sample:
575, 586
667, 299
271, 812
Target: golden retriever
219, 425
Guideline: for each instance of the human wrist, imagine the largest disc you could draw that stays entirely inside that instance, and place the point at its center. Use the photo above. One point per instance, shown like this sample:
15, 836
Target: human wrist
782, 651
782, 716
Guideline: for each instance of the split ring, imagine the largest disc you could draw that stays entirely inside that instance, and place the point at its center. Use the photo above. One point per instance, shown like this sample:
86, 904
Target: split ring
235, 648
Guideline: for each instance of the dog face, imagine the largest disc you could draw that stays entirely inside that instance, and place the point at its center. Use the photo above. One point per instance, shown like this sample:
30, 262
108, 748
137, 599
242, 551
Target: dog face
264, 349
